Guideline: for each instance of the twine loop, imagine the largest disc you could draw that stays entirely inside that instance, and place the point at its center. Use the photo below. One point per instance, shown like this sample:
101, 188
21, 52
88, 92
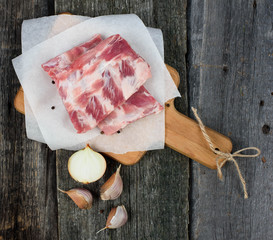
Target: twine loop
225, 157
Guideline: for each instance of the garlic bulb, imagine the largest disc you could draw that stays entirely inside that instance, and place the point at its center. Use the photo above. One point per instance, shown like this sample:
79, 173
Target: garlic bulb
86, 165
113, 187
82, 197
117, 217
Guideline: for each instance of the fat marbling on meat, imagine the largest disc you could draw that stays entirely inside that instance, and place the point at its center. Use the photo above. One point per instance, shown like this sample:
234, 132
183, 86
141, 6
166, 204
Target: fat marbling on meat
99, 80
139, 105
61, 63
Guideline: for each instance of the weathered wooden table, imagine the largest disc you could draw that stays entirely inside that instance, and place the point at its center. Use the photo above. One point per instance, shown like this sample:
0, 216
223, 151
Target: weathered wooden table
223, 51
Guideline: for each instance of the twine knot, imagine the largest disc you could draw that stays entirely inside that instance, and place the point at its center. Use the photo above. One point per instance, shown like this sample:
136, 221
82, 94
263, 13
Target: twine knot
225, 157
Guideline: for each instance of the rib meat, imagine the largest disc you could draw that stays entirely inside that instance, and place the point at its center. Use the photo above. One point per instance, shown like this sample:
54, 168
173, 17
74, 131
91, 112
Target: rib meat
139, 105
99, 80
61, 63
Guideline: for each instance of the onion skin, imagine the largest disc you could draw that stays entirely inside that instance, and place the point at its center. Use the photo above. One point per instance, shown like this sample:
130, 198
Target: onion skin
81, 197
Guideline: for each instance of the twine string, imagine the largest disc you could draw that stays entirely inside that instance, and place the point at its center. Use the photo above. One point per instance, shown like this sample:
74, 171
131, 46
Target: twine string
225, 157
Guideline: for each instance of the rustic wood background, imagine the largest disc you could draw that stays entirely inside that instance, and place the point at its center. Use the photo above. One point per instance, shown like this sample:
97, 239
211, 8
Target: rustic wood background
230, 75
223, 51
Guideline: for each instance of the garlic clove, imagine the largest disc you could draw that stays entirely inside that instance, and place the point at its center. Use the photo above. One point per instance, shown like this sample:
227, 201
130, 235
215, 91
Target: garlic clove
81, 197
113, 187
86, 165
117, 218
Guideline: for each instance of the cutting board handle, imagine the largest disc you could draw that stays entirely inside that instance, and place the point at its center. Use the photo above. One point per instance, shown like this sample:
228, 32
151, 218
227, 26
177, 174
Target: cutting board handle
183, 134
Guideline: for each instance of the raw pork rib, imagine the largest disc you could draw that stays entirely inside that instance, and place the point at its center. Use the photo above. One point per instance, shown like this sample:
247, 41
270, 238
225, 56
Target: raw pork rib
139, 105
62, 62
99, 80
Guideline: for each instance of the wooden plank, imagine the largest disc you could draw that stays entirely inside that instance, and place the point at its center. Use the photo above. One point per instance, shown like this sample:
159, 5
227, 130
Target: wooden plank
230, 81
28, 206
156, 189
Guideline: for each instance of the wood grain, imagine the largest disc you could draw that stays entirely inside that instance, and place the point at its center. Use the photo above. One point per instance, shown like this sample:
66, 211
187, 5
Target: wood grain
156, 209
28, 206
230, 82
18, 102
183, 135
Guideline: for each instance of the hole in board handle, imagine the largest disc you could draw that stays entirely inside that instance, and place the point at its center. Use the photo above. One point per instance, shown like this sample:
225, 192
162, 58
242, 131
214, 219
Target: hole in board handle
217, 149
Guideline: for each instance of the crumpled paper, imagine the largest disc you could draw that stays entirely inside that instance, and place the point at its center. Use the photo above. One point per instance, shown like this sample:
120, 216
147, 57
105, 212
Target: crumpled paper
55, 126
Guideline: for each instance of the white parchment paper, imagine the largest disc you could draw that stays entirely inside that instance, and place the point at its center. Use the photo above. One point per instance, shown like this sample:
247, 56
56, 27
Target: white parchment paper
55, 126
52, 26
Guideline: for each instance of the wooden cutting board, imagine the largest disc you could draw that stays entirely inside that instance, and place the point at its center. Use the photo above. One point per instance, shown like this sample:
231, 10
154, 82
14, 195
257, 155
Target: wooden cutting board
181, 134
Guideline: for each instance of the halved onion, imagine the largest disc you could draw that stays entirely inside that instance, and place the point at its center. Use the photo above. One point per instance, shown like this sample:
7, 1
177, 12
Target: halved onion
86, 165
